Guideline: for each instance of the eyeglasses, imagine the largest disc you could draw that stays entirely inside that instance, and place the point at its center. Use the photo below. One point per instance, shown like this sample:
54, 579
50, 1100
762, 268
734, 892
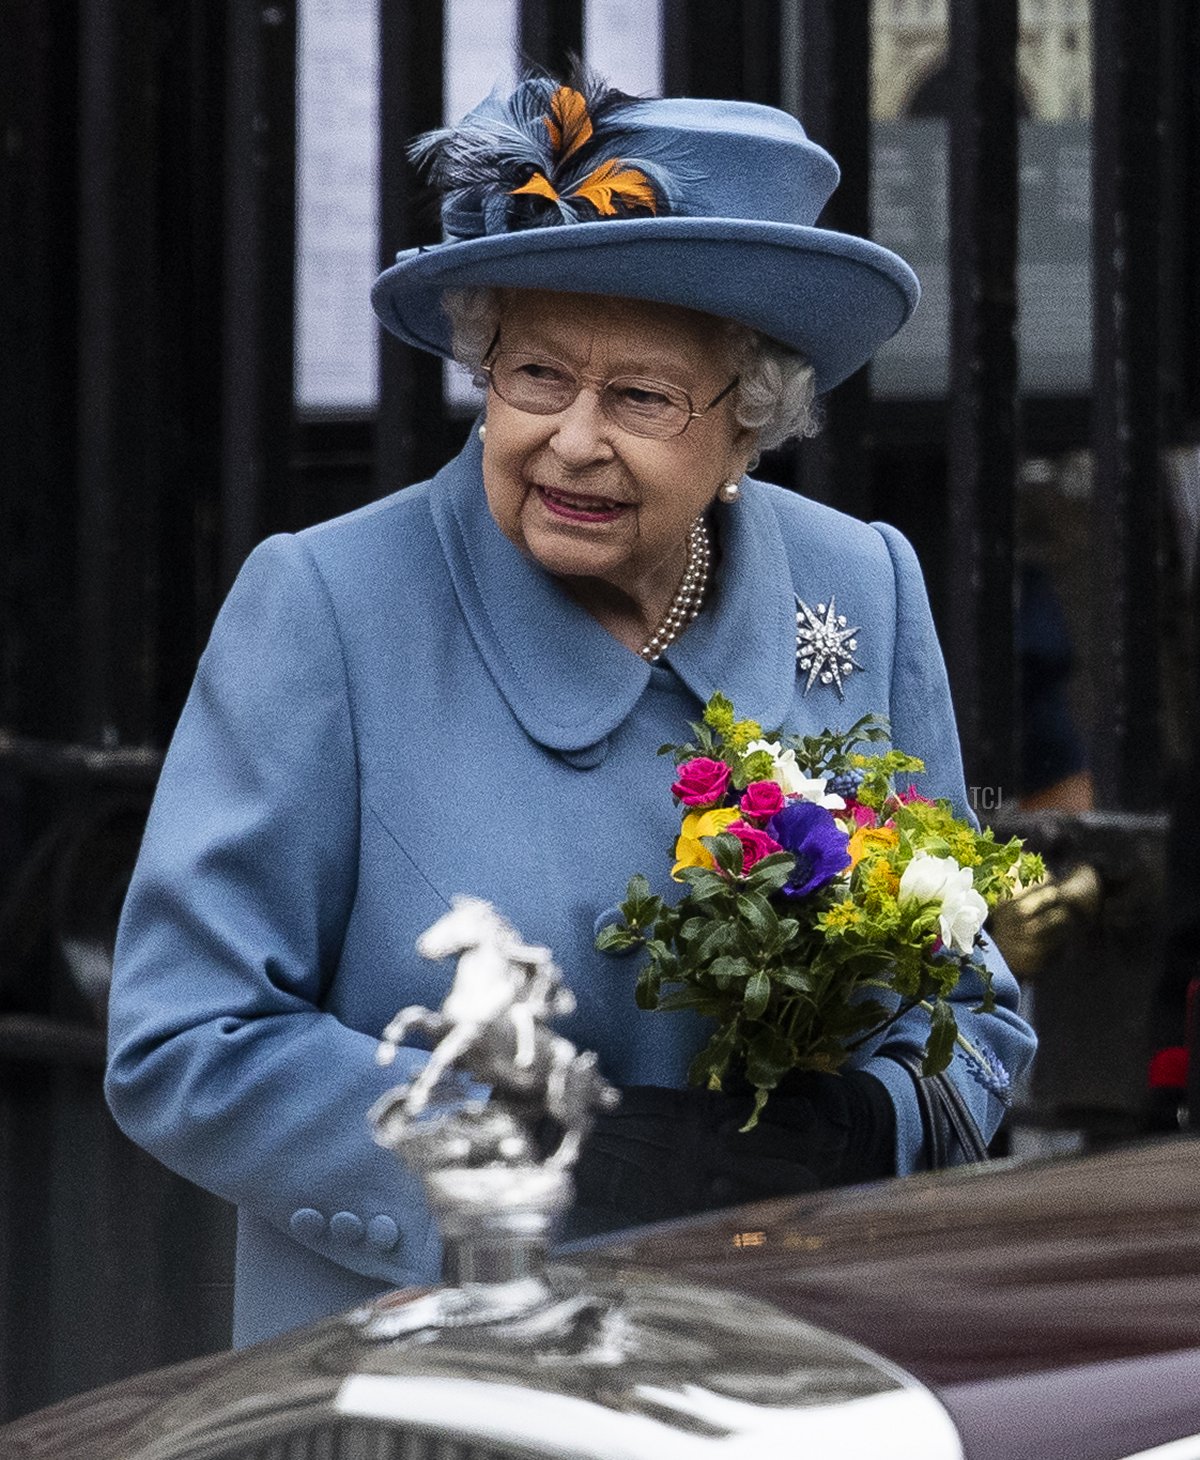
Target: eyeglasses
543, 386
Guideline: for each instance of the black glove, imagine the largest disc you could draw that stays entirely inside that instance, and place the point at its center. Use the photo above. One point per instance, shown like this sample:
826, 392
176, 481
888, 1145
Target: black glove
669, 1153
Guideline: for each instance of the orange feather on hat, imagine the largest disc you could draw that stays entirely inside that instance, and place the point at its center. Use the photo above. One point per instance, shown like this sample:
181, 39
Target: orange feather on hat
539, 184
604, 183
568, 123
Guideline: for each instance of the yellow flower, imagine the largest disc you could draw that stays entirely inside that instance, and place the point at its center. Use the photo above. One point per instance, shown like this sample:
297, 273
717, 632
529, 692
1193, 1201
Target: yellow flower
880, 877
743, 732
690, 851
841, 915
962, 847
868, 839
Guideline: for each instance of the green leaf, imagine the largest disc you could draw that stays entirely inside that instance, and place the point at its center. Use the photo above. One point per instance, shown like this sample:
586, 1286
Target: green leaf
616, 938
703, 882
646, 993
692, 928
710, 1005
718, 938
770, 874
789, 931
728, 967
660, 953
769, 1056
758, 991
799, 979
940, 1044
727, 852
759, 915
641, 906
639, 888
693, 998
712, 1061
760, 1099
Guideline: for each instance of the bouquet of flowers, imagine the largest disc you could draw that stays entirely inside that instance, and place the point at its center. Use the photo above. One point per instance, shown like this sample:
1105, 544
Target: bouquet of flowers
821, 904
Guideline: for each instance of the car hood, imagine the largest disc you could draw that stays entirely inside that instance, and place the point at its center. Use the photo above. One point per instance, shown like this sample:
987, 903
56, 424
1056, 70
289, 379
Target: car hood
1014, 1310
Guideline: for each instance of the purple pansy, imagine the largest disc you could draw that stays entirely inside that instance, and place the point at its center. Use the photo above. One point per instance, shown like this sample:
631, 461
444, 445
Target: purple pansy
816, 841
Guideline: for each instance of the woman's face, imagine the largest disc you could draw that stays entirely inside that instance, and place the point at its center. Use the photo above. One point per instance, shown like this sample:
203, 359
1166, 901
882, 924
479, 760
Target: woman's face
575, 491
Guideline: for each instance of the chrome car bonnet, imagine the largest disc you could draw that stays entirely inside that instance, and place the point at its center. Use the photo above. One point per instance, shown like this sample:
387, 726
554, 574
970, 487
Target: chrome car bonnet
639, 1367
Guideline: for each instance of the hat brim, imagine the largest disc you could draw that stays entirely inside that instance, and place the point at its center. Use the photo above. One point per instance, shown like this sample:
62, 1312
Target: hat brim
833, 297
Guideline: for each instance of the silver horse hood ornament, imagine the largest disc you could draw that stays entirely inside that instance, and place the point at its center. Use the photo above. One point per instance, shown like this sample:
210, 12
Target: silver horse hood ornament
496, 1161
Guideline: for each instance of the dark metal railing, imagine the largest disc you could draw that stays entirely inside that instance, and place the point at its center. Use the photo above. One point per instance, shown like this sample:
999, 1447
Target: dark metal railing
978, 632
834, 103
259, 200
410, 428
550, 33
1127, 551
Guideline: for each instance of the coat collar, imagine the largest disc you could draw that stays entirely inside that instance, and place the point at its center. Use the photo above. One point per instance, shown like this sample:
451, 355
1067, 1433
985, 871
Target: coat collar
567, 680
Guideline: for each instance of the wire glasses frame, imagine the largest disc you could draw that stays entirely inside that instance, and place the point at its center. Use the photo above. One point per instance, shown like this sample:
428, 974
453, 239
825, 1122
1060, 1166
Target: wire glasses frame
543, 386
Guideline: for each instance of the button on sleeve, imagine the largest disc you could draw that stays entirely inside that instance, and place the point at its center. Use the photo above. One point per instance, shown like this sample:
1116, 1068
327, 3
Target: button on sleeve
307, 1225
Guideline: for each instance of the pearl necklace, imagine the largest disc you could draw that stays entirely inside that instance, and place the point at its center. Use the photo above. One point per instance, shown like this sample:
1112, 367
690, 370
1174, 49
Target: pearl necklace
689, 596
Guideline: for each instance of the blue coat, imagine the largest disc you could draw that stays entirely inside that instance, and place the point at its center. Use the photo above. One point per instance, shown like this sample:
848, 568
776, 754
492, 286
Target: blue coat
397, 706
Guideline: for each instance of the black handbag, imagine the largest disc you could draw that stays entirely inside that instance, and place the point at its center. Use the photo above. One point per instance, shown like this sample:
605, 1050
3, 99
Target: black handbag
951, 1136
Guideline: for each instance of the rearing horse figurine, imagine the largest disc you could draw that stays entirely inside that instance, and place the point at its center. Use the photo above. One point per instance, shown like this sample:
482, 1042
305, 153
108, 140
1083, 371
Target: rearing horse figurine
492, 1024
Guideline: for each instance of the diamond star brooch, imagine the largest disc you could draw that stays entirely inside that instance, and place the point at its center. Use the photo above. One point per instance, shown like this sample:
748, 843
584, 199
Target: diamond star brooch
824, 645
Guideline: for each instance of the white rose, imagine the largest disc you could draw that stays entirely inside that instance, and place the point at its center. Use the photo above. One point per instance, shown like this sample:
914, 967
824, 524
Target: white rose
788, 776
940, 880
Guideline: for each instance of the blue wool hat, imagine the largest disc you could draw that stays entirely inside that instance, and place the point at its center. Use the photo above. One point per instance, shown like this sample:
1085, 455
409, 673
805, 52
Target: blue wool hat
710, 205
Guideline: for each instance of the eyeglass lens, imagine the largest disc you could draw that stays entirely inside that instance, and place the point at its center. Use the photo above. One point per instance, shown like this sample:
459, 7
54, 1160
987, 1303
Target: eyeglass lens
544, 386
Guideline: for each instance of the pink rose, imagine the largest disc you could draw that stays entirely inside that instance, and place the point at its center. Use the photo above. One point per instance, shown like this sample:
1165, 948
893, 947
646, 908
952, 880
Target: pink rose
756, 844
701, 782
761, 800
863, 815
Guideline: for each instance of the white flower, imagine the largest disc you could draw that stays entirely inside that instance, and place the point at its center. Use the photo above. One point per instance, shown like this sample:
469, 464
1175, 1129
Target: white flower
940, 880
925, 878
788, 776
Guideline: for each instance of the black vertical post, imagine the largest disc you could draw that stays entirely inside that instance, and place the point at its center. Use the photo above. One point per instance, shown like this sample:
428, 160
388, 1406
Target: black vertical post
712, 48
192, 91
38, 366
978, 633
551, 33
1127, 553
118, 381
410, 438
1179, 282
834, 105
260, 193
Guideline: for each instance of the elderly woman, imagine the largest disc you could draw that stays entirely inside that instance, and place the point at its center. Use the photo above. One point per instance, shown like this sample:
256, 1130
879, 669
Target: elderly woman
461, 689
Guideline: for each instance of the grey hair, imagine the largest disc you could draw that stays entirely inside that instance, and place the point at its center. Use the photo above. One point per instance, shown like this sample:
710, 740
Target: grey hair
776, 395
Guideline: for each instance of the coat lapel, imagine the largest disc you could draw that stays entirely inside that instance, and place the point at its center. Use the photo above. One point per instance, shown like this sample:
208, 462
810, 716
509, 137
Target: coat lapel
567, 680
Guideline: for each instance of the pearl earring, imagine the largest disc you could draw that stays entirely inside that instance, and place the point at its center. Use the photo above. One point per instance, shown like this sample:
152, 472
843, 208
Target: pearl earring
728, 492
483, 432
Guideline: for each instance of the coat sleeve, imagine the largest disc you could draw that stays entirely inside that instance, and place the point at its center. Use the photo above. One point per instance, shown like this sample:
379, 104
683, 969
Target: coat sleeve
922, 717
222, 1061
